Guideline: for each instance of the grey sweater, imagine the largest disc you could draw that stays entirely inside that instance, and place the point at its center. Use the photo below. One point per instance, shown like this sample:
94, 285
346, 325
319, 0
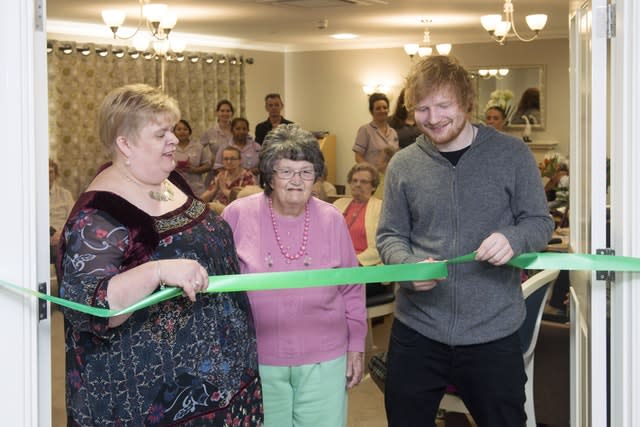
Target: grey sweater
434, 209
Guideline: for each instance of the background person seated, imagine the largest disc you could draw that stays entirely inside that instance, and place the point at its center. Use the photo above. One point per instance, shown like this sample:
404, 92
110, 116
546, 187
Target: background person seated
361, 212
232, 175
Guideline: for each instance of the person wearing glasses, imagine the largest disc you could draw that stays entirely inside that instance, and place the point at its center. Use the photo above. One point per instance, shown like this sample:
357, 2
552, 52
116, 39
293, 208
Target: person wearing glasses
138, 227
232, 176
249, 149
361, 211
310, 341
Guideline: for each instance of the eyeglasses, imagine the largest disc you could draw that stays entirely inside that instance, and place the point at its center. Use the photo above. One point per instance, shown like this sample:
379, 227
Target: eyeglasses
305, 174
360, 181
230, 159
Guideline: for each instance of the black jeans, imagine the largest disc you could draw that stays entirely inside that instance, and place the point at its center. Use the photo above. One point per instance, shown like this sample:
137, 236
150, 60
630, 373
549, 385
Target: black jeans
489, 378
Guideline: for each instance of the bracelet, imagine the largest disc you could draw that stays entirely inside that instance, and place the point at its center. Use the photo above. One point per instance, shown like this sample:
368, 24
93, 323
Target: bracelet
160, 281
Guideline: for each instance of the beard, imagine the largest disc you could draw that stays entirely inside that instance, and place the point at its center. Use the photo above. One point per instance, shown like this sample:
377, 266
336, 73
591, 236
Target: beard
450, 133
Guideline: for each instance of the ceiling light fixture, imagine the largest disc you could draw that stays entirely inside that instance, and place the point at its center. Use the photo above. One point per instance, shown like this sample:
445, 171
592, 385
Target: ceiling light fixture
499, 26
158, 19
425, 49
344, 36
496, 73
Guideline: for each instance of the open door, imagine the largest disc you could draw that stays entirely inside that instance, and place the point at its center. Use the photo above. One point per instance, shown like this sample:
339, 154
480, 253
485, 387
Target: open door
625, 209
588, 153
588, 219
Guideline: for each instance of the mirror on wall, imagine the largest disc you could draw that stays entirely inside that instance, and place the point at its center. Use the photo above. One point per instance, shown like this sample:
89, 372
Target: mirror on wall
511, 86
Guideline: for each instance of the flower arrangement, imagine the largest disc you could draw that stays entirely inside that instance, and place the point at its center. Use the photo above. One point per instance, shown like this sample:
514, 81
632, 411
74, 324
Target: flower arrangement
501, 98
551, 164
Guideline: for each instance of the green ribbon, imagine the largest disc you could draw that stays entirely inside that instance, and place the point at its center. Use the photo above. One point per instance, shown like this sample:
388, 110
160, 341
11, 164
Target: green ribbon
345, 276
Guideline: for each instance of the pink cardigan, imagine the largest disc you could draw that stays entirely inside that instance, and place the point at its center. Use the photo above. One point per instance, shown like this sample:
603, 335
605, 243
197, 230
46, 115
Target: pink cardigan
299, 326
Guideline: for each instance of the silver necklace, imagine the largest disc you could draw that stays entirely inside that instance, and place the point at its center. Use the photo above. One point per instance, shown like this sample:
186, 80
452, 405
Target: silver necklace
164, 195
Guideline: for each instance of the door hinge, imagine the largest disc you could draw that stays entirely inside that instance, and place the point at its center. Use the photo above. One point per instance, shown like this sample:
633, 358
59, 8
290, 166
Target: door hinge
605, 275
42, 304
39, 15
611, 21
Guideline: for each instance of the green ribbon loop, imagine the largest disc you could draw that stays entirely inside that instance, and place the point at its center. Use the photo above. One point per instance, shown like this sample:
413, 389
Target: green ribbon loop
345, 276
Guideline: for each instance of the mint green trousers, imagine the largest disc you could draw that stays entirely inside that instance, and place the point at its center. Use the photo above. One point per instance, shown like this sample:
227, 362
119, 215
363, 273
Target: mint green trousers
312, 395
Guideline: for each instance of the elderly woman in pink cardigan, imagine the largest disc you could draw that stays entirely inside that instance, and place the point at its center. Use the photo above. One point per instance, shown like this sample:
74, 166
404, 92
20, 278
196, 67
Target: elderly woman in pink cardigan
310, 341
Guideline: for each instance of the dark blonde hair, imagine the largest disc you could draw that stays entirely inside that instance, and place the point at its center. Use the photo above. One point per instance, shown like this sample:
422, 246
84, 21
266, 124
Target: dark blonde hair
434, 73
127, 109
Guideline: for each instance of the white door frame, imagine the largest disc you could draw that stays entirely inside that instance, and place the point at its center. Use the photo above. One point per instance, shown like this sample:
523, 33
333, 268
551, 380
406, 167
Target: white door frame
588, 211
24, 174
625, 206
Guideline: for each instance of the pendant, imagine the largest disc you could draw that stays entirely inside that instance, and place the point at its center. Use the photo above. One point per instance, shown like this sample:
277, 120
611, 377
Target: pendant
268, 260
307, 261
165, 195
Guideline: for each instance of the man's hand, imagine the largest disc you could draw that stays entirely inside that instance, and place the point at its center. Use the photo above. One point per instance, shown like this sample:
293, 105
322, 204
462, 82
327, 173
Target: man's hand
495, 249
425, 285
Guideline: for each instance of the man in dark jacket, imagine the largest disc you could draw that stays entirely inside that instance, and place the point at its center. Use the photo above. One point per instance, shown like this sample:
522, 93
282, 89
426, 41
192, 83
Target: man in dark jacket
273, 104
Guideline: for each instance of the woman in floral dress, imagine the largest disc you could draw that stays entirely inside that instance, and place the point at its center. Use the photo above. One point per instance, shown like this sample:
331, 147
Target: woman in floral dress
187, 361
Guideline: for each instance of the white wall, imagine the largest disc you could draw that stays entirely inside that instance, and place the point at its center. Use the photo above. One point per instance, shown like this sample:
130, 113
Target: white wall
324, 89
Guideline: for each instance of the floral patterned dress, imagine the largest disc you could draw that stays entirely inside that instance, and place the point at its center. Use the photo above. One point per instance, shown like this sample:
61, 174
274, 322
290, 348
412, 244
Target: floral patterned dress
174, 363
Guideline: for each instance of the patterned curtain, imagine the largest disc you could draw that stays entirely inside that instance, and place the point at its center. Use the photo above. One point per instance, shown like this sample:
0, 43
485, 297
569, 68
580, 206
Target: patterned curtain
80, 75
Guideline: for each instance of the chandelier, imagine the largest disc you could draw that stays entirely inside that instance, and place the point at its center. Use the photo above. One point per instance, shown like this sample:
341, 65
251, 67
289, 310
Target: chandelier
157, 18
498, 28
424, 48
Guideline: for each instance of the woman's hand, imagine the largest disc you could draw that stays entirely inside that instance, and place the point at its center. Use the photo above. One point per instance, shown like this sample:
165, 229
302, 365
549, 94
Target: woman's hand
183, 273
355, 368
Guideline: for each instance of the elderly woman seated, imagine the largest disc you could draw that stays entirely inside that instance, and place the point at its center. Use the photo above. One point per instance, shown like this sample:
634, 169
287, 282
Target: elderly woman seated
361, 212
228, 180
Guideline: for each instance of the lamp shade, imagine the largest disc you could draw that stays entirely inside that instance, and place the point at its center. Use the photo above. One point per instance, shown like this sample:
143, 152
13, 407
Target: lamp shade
177, 45
411, 48
424, 51
503, 28
113, 17
168, 20
490, 22
154, 12
536, 22
443, 48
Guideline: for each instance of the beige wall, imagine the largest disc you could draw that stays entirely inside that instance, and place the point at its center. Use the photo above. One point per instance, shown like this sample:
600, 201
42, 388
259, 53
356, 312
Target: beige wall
323, 90
266, 75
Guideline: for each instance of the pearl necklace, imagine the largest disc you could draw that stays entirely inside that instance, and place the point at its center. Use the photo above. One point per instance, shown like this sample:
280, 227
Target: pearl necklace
305, 234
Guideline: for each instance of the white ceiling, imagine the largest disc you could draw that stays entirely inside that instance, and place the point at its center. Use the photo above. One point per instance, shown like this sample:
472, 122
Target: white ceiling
292, 25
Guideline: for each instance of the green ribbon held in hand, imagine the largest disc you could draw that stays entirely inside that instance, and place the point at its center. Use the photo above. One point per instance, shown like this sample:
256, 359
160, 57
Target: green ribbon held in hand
345, 276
